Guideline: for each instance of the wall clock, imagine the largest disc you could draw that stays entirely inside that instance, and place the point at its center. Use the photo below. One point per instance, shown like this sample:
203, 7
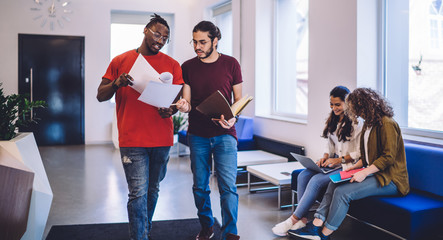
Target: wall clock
52, 13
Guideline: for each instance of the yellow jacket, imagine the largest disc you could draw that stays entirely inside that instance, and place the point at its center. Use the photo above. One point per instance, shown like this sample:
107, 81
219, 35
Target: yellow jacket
386, 151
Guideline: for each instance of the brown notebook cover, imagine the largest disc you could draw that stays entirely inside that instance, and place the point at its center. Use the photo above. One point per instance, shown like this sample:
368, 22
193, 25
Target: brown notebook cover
216, 105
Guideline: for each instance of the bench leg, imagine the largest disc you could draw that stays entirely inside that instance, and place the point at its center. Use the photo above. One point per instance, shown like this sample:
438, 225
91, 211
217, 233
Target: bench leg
249, 181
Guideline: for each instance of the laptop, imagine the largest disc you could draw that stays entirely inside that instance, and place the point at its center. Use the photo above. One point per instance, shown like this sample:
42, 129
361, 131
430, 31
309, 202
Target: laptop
311, 165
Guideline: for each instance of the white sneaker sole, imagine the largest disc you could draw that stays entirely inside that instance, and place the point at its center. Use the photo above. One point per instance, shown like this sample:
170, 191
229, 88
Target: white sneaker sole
280, 234
306, 236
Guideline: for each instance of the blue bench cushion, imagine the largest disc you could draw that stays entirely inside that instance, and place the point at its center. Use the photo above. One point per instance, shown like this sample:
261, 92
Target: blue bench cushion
244, 128
419, 214
294, 177
425, 167
415, 216
182, 138
278, 147
246, 144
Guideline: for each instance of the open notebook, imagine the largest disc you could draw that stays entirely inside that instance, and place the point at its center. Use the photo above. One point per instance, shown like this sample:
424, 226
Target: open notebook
216, 105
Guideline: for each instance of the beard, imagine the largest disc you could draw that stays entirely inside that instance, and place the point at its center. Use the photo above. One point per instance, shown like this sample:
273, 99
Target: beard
209, 52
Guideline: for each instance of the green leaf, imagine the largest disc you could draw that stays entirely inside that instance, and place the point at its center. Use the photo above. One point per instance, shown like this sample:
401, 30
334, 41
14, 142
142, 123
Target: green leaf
15, 112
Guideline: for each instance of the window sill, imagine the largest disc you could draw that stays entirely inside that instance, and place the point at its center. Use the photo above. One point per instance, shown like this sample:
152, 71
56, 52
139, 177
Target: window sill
424, 140
284, 119
422, 136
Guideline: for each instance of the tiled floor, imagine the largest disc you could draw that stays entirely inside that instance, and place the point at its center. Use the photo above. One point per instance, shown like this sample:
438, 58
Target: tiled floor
89, 187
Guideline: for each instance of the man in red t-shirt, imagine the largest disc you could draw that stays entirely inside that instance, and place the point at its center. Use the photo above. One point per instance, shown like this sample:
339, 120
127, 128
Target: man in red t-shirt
145, 132
203, 75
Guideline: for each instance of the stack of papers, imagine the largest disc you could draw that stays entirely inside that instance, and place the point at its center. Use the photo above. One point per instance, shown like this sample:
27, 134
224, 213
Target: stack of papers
147, 82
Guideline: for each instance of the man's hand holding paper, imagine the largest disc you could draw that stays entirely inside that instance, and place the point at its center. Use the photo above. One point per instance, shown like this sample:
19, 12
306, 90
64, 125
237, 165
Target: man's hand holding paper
142, 72
123, 80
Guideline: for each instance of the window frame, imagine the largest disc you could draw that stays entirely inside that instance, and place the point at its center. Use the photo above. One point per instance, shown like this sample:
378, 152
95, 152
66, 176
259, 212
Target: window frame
142, 18
274, 73
219, 10
389, 79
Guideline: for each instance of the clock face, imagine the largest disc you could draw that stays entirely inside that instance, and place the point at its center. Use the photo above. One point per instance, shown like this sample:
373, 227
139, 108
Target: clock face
52, 13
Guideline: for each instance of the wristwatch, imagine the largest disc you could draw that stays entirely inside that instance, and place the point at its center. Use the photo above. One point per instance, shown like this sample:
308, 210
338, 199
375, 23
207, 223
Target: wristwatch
343, 160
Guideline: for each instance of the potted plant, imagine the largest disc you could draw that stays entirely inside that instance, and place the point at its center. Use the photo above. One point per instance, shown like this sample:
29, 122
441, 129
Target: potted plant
22, 150
15, 112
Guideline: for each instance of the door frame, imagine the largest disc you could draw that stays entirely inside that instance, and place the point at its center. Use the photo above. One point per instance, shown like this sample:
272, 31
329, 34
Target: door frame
21, 76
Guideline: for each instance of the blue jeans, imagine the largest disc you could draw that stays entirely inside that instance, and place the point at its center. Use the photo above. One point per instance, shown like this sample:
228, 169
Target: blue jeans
144, 169
224, 151
310, 185
335, 204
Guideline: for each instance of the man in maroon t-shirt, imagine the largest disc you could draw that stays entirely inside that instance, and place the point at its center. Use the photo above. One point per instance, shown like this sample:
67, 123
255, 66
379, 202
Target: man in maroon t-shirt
203, 75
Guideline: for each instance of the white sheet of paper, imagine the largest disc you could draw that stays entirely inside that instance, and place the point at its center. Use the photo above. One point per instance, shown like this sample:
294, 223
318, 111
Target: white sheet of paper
142, 72
159, 94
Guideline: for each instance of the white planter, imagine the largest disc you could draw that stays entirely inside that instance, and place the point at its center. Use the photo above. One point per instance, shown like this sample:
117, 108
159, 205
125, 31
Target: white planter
24, 148
175, 138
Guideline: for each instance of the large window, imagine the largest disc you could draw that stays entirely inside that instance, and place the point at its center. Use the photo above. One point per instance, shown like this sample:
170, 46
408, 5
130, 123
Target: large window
127, 31
222, 17
291, 38
414, 64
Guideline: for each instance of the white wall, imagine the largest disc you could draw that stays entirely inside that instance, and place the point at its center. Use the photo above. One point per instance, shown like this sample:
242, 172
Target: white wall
92, 20
332, 62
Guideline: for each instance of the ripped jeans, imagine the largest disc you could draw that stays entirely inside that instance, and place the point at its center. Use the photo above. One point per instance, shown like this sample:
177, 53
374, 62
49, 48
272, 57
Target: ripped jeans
144, 169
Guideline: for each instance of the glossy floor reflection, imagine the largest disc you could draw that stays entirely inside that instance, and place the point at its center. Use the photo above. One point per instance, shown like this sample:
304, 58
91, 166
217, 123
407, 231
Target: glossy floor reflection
89, 186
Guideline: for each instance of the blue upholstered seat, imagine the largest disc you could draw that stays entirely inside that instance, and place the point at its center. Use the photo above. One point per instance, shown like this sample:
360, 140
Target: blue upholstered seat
294, 177
415, 216
419, 215
245, 132
182, 137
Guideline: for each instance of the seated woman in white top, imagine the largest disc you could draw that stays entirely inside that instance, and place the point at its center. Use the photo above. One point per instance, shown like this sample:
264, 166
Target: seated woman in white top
343, 148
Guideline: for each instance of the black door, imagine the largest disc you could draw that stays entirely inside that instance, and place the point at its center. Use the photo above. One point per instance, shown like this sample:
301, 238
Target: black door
51, 68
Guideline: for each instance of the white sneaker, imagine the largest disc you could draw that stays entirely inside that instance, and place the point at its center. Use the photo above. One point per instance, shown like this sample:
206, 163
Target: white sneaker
298, 225
282, 228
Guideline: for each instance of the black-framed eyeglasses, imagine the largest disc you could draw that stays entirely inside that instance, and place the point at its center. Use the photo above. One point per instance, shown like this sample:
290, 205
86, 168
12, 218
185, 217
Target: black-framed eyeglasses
196, 43
157, 36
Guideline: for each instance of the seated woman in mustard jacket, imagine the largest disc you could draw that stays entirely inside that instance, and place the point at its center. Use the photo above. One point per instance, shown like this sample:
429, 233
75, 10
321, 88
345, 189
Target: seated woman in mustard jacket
382, 153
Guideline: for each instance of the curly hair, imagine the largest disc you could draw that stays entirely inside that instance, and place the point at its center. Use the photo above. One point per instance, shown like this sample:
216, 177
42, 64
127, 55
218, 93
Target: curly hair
369, 105
333, 120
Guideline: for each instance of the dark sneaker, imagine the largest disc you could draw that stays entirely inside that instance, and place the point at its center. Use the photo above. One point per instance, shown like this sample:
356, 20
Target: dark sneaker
308, 232
205, 234
323, 237
231, 236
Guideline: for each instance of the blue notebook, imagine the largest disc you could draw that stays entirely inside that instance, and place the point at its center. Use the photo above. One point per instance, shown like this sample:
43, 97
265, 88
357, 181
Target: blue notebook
336, 178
